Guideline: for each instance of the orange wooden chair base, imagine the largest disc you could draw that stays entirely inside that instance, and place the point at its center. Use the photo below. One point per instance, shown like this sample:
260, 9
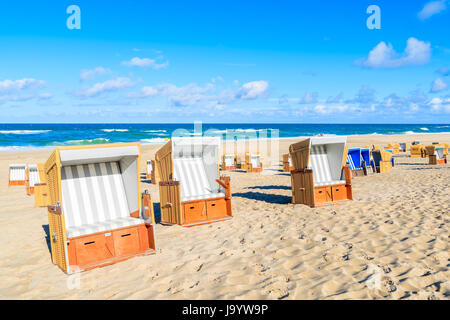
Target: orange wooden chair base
105, 248
16, 183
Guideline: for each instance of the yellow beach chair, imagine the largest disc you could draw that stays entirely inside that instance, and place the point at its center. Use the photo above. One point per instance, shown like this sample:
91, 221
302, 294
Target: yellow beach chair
97, 215
41, 188
253, 162
228, 162
436, 154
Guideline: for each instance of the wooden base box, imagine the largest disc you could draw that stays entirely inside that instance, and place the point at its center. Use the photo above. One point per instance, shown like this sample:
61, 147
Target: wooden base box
432, 159
105, 248
385, 167
16, 183
304, 191
195, 212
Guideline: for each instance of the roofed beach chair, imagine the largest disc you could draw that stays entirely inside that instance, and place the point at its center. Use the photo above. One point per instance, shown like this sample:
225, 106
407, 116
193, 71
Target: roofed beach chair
287, 163
97, 215
32, 178
436, 155
239, 161
417, 150
228, 162
253, 162
356, 162
191, 191
382, 160
41, 188
318, 177
17, 174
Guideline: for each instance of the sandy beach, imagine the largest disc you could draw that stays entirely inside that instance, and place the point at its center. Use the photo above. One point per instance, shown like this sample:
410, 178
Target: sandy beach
391, 242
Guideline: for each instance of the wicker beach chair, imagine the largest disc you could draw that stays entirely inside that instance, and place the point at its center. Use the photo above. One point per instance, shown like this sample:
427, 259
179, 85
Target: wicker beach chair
97, 215
228, 162
318, 178
253, 162
436, 154
382, 160
191, 191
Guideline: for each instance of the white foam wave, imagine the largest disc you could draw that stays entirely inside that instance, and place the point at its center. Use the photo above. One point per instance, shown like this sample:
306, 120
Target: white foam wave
23, 131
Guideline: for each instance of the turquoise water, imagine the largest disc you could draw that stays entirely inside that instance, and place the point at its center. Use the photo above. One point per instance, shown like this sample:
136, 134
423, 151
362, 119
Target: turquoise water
30, 136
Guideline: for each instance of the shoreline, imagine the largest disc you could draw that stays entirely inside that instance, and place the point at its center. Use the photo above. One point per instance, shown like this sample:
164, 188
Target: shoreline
147, 144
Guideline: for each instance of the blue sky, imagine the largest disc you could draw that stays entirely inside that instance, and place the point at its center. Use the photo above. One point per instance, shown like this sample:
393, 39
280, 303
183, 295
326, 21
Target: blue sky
225, 61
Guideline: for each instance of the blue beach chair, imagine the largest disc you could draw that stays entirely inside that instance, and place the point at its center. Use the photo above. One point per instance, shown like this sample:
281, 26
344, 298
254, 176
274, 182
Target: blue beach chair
356, 162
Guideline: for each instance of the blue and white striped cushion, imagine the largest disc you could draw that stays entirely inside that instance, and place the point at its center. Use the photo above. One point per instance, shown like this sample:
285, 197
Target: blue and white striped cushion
194, 185
93, 198
350, 162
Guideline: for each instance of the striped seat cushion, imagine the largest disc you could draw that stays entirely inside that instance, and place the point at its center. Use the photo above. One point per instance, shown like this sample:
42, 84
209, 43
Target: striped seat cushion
93, 197
102, 226
321, 168
17, 172
33, 175
193, 179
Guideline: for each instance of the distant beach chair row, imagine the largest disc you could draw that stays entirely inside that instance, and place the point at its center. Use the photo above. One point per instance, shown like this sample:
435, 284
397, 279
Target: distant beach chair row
33, 177
252, 162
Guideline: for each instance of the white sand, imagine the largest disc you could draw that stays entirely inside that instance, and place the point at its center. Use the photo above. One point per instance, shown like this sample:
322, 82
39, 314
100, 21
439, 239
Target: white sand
396, 229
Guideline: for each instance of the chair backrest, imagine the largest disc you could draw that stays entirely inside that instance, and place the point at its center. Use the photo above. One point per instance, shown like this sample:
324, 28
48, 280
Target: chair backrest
324, 155
93, 193
365, 154
376, 155
355, 155
33, 175
17, 172
196, 166
95, 184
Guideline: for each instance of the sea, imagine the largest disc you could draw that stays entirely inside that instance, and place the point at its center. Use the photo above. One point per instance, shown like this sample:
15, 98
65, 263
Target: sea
34, 135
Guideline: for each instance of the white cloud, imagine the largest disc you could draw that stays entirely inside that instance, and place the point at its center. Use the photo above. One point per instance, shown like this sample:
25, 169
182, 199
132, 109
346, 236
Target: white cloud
443, 71
310, 97
384, 56
438, 85
8, 86
252, 90
45, 96
86, 74
107, 86
326, 109
440, 105
432, 8
145, 63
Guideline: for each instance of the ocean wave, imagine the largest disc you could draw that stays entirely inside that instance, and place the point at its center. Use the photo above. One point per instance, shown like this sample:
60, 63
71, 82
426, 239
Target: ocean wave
114, 130
154, 140
87, 141
23, 131
424, 129
153, 131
